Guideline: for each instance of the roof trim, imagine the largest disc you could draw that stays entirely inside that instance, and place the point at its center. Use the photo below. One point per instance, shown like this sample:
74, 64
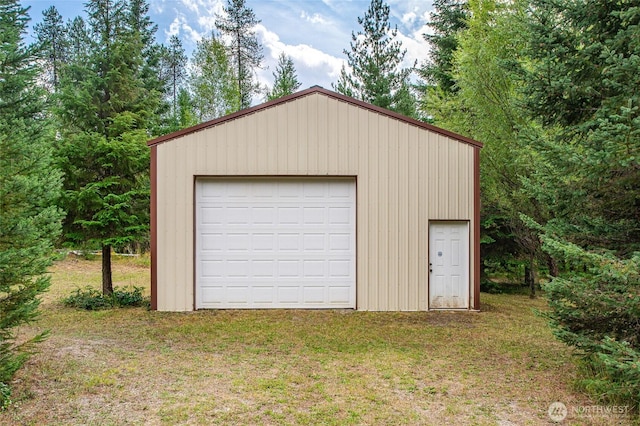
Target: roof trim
307, 92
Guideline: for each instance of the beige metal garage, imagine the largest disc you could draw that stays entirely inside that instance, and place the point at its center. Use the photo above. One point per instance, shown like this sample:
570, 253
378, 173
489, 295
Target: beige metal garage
315, 200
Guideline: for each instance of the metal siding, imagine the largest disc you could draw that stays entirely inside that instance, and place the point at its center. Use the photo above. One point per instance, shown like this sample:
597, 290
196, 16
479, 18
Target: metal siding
413, 224
363, 224
427, 185
405, 176
289, 122
402, 213
393, 208
323, 133
301, 140
312, 135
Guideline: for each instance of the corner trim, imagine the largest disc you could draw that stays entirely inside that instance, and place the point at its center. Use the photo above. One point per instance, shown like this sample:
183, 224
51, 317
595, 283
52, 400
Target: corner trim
154, 227
476, 228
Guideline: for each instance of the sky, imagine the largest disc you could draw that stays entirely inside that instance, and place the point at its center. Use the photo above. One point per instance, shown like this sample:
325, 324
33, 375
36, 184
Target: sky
313, 33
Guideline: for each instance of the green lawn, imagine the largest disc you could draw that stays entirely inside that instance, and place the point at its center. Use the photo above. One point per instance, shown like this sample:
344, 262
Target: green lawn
132, 366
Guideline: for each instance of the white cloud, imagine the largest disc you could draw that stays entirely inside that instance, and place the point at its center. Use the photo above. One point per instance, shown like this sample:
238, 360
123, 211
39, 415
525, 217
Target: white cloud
174, 27
313, 66
417, 48
408, 18
192, 5
316, 18
180, 27
208, 23
157, 6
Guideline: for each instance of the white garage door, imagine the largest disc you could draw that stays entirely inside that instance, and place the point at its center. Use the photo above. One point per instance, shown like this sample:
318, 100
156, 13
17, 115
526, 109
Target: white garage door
275, 243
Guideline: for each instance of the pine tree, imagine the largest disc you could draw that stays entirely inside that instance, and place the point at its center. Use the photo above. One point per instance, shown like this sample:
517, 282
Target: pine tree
374, 71
174, 63
186, 114
52, 35
78, 37
285, 79
447, 21
582, 86
212, 82
29, 222
106, 110
244, 50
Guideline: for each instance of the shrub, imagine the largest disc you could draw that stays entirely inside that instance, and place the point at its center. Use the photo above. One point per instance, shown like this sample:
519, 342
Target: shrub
133, 297
91, 299
597, 312
5, 396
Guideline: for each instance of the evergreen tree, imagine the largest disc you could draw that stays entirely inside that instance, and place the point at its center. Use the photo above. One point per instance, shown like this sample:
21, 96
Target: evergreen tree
244, 50
212, 82
447, 21
52, 35
29, 184
285, 79
142, 31
174, 67
375, 74
78, 38
106, 110
582, 86
186, 113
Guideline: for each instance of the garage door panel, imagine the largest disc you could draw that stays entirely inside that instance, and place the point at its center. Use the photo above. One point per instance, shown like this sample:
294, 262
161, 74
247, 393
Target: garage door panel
314, 242
238, 294
314, 215
316, 191
238, 215
263, 242
339, 269
275, 243
212, 242
314, 294
289, 215
263, 294
238, 242
288, 269
314, 268
339, 216
289, 294
263, 215
339, 294
340, 242
263, 268
289, 242
214, 295
211, 215
212, 268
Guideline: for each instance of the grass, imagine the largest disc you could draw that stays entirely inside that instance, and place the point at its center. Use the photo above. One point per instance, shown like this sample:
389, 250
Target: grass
134, 366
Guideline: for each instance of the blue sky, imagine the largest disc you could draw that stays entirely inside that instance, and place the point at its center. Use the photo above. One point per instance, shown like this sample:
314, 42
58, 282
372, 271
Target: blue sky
313, 32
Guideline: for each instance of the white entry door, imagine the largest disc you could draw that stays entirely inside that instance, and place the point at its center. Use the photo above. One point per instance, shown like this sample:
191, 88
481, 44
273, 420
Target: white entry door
449, 265
275, 243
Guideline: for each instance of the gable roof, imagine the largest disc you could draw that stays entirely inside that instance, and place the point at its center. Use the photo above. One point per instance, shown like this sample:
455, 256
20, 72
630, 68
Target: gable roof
307, 92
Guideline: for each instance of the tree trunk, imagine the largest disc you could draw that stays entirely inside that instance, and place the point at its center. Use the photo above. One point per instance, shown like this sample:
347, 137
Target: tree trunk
530, 278
107, 282
554, 271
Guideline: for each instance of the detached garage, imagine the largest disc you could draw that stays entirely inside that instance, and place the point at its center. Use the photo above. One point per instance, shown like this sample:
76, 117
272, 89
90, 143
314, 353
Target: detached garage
315, 200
